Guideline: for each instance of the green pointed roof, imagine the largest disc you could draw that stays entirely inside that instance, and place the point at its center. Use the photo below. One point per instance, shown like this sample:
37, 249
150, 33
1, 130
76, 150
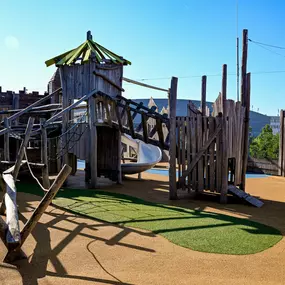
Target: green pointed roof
83, 53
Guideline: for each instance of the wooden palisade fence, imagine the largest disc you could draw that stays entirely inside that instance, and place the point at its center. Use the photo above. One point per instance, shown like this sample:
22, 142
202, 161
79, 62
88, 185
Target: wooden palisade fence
281, 161
210, 151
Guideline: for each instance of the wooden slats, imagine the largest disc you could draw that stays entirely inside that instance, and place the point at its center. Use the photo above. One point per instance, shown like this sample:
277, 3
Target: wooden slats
212, 156
197, 157
199, 147
193, 151
144, 125
178, 145
188, 147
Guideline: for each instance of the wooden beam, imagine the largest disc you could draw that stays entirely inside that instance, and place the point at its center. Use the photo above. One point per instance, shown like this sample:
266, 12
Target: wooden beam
203, 95
118, 115
192, 109
246, 131
144, 127
224, 87
13, 237
160, 132
17, 115
197, 157
93, 142
44, 156
4, 131
49, 108
172, 137
31, 223
34, 164
244, 67
108, 115
119, 179
12, 168
137, 108
150, 111
24, 144
281, 145
130, 121
144, 85
224, 168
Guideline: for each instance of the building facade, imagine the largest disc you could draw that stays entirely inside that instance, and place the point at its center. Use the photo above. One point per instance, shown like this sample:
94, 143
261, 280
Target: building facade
275, 124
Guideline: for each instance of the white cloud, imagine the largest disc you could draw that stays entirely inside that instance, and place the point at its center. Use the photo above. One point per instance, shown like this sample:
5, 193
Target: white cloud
12, 42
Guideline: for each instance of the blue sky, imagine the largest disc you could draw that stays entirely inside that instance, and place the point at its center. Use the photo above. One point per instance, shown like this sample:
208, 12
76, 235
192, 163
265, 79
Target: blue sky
179, 38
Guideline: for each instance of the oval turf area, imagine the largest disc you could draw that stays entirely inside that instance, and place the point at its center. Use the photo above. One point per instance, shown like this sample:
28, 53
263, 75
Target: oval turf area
197, 230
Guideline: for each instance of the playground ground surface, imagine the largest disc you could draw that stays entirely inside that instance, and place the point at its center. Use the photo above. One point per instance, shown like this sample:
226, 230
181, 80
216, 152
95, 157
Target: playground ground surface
65, 247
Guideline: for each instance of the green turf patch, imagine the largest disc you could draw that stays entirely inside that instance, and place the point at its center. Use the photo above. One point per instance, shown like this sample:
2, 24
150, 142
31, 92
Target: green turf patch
198, 230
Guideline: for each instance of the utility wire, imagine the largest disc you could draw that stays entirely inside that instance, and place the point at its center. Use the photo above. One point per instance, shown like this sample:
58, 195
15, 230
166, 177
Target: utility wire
264, 47
273, 46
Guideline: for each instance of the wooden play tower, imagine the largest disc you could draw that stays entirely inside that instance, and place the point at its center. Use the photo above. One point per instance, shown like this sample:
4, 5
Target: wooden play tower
84, 72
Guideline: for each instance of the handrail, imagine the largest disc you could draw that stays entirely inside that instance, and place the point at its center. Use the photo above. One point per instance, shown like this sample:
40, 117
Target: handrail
67, 109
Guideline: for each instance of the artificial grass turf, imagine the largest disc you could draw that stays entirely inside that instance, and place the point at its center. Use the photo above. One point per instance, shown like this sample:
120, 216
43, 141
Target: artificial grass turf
197, 230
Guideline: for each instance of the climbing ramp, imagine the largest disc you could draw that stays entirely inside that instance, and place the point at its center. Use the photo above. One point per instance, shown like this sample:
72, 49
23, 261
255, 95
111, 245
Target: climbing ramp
245, 196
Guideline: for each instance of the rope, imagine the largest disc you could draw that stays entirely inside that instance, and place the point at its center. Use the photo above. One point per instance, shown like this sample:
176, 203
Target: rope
31, 172
73, 126
64, 148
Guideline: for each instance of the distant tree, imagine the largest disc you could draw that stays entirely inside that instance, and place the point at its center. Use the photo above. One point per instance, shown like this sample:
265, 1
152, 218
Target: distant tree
266, 145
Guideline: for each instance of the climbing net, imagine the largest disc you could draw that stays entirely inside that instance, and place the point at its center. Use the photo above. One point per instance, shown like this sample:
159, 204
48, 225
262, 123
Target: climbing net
73, 134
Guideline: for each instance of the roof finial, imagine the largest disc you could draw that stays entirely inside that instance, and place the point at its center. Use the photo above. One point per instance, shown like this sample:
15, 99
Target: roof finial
89, 36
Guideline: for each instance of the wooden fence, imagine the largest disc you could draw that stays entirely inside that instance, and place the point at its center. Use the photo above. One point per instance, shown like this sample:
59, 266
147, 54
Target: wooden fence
281, 162
266, 166
218, 148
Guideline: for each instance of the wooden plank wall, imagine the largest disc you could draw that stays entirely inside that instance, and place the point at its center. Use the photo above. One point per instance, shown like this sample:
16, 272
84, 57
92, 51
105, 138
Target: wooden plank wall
79, 80
192, 133
234, 112
196, 130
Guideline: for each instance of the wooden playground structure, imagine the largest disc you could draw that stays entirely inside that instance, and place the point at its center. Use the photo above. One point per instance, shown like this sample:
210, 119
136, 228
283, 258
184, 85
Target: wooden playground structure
84, 116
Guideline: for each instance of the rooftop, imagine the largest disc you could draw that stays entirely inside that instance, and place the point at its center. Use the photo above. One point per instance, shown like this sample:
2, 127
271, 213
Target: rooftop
85, 52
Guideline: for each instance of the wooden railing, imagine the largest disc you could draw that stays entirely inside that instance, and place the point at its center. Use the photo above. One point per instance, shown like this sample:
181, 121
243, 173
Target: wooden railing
120, 112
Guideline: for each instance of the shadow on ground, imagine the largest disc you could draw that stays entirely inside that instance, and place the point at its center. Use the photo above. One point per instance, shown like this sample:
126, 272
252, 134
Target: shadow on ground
36, 266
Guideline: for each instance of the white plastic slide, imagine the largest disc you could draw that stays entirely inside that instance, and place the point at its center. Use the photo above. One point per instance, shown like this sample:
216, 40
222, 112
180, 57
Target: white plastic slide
148, 156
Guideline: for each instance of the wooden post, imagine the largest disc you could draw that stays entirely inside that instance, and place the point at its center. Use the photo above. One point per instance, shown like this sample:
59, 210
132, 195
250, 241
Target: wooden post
119, 158
24, 144
172, 137
6, 141
93, 142
225, 168
244, 67
244, 97
44, 156
224, 87
203, 95
246, 131
281, 171
283, 145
